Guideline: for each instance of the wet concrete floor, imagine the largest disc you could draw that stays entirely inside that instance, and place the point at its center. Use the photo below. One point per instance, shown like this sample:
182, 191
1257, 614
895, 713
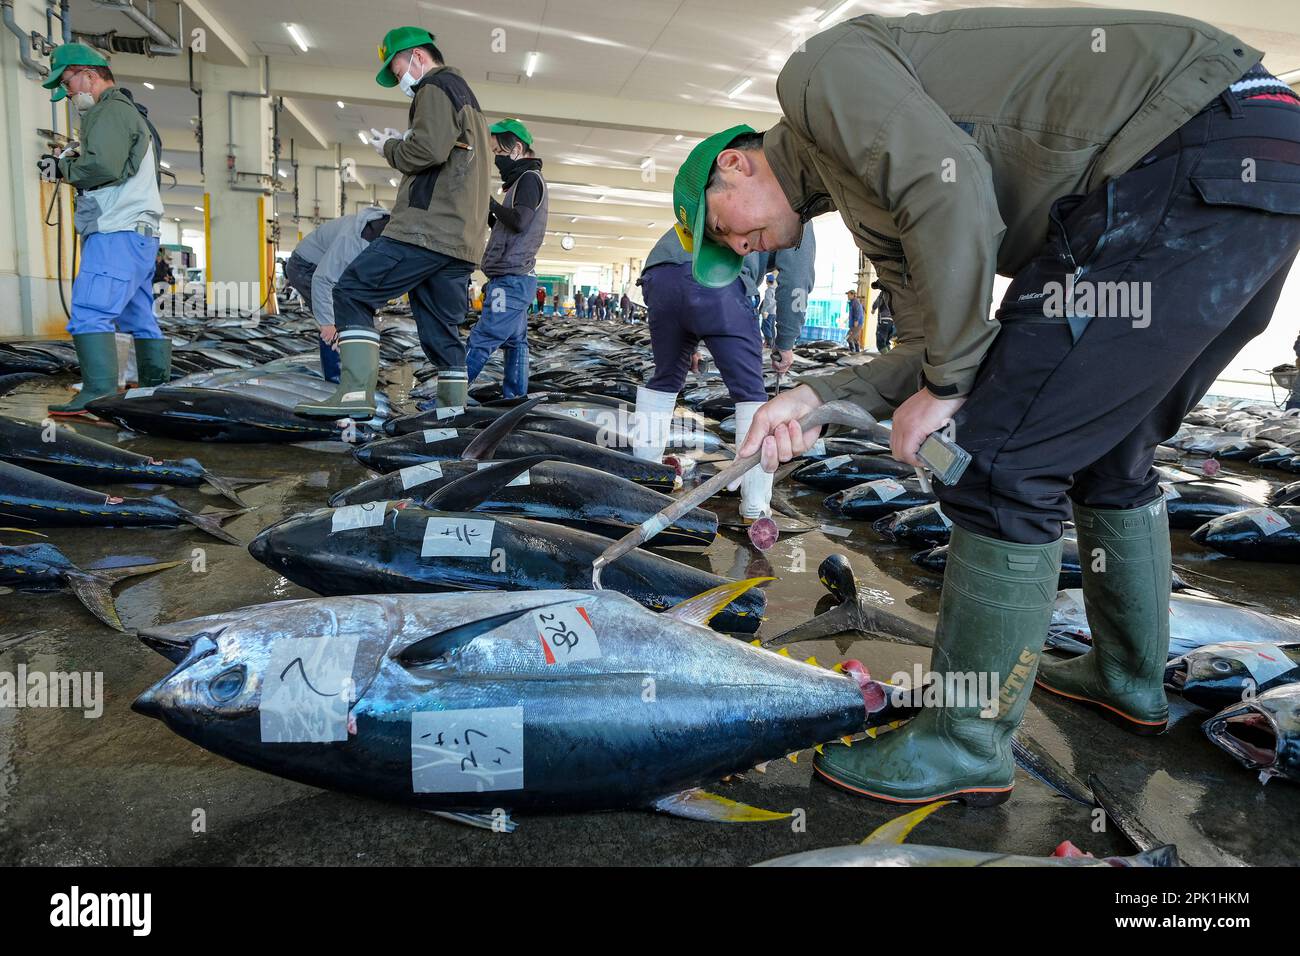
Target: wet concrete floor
122, 789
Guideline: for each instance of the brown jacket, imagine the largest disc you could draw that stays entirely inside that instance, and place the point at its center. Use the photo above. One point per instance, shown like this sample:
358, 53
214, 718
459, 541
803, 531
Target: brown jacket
442, 202
943, 141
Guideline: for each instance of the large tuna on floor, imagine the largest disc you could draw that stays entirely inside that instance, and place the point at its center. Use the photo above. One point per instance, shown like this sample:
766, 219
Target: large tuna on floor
1259, 534
546, 700
397, 547
1263, 732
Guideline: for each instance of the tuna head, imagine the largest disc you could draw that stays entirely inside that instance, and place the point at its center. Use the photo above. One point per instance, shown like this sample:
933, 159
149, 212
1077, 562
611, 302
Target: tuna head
1262, 732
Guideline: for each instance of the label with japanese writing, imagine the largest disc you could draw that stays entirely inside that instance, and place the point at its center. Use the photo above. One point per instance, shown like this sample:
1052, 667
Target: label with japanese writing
566, 633
140, 392
467, 751
367, 515
1264, 661
306, 690
451, 411
818, 448
837, 461
886, 489
413, 475
1269, 521
836, 530
438, 434
458, 537
518, 481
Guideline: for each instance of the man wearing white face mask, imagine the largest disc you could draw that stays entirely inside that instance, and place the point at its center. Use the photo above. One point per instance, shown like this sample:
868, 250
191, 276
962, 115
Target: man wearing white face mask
119, 208
435, 237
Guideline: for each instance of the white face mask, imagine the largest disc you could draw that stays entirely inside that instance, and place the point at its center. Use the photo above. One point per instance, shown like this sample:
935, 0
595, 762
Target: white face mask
407, 82
82, 101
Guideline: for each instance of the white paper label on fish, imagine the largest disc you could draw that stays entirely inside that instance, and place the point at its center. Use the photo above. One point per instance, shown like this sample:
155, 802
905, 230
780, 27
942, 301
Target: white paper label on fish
818, 448
1269, 521
887, 489
467, 751
458, 537
140, 392
1170, 491
367, 515
438, 434
518, 481
836, 530
307, 689
451, 411
1264, 661
413, 475
566, 634
836, 461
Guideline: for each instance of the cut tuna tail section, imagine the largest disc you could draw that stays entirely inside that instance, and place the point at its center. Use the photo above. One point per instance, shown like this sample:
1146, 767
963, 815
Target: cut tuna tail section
211, 523
227, 490
94, 589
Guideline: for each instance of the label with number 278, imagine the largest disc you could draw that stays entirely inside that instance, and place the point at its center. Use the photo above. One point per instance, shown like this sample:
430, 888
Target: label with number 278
566, 634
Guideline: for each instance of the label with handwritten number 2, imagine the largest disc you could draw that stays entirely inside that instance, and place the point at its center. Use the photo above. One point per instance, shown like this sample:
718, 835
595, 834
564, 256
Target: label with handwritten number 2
566, 634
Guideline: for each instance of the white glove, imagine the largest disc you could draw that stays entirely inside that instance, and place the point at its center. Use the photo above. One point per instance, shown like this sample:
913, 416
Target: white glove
377, 139
407, 134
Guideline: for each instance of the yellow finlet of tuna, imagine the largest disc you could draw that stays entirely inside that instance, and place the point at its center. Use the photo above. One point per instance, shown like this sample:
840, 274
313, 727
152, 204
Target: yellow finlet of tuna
847, 740
871, 732
818, 748
761, 767
784, 652
838, 668
704, 606
755, 643
793, 756
897, 829
812, 661
702, 805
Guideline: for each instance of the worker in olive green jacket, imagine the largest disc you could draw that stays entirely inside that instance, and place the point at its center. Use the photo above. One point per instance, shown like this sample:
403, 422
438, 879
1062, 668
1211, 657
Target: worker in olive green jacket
436, 235
1139, 176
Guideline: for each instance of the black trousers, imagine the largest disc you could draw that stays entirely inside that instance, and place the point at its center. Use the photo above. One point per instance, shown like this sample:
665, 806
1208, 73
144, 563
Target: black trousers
1199, 236
298, 272
438, 286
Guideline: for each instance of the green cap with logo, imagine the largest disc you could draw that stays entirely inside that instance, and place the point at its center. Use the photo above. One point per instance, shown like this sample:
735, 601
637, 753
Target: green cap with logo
712, 264
395, 41
516, 127
69, 54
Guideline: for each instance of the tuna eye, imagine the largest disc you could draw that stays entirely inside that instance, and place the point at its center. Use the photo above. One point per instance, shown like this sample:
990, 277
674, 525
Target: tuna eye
1221, 666
227, 684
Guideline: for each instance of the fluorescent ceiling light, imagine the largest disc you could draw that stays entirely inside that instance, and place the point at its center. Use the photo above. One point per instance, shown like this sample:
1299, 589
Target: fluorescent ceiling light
296, 32
677, 138
646, 162
176, 219
198, 209
573, 219
342, 105
532, 63
740, 87
362, 136
830, 15
283, 174
164, 164
148, 85
393, 183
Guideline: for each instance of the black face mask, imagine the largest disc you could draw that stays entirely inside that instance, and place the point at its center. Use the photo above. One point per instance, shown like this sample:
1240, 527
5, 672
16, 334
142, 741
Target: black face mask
505, 165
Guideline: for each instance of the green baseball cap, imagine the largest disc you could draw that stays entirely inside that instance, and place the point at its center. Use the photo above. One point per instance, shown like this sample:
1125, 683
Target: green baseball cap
712, 264
69, 54
513, 126
395, 41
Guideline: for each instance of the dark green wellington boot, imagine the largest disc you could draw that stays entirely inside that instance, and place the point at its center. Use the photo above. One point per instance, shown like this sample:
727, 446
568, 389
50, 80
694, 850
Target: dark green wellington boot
453, 387
1127, 600
358, 374
993, 617
153, 362
97, 355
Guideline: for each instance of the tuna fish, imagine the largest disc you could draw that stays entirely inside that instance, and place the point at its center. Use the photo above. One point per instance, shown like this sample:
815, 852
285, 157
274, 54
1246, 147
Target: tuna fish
397, 547
1286, 495
924, 524
845, 471
45, 502
1263, 733
60, 452
1192, 503
1217, 675
1259, 534
43, 567
466, 703
875, 499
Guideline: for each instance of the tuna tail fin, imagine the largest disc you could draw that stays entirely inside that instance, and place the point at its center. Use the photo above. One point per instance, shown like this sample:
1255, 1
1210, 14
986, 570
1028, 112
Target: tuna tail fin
470, 491
94, 588
226, 489
485, 443
839, 619
703, 607
9, 382
896, 830
702, 805
211, 523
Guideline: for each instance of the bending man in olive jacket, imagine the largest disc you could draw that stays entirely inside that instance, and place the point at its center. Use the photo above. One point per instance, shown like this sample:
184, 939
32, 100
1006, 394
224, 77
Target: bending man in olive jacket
436, 234
1122, 138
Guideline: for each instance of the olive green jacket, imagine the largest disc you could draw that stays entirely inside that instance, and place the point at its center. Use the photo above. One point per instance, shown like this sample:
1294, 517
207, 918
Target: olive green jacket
943, 141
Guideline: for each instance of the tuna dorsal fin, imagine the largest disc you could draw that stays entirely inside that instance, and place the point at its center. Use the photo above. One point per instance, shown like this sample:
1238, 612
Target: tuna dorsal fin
485, 443
468, 492
896, 830
26, 531
431, 648
702, 805
702, 608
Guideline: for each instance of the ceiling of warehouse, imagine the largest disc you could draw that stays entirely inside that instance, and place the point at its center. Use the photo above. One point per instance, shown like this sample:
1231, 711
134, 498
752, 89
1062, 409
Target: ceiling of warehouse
665, 59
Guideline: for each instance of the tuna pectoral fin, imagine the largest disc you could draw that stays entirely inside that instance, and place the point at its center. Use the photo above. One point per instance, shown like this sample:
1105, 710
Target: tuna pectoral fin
702, 805
211, 523
705, 606
838, 620
896, 830
498, 823
226, 489
470, 491
25, 531
435, 646
94, 588
486, 442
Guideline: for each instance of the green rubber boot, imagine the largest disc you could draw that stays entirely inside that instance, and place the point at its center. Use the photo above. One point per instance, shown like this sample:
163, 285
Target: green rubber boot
358, 375
453, 387
97, 355
153, 362
993, 617
1127, 571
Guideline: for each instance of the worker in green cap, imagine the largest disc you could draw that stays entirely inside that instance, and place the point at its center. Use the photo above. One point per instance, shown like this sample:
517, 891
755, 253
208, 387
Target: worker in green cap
518, 224
1095, 156
114, 169
435, 236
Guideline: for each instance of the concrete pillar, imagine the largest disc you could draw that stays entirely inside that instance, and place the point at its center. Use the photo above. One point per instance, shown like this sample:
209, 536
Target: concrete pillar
29, 250
237, 129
